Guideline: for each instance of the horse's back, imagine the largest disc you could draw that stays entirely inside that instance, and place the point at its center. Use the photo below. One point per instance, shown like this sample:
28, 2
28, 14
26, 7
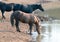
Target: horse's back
31, 17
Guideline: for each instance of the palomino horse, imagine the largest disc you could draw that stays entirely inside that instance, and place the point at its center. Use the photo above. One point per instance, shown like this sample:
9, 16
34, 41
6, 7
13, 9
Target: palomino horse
30, 19
29, 8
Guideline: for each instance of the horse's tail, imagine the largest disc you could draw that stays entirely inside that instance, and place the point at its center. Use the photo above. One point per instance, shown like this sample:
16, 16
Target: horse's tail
12, 19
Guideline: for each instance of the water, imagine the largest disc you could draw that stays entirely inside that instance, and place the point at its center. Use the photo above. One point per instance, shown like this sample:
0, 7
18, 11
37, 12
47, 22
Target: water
55, 12
50, 32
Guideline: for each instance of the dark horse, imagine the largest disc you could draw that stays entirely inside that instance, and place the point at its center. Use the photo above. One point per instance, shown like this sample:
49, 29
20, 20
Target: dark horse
5, 7
30, 19
14, 7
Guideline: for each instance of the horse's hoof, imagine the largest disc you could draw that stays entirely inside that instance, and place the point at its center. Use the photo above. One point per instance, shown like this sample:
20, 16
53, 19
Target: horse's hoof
18, 31
30, 33
39, 33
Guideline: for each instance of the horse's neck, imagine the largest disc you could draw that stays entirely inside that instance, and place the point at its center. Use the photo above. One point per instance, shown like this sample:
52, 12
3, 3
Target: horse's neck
34, 8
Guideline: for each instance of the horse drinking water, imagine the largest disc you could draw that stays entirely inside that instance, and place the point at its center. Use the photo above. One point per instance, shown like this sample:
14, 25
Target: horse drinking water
30, 19
29, 8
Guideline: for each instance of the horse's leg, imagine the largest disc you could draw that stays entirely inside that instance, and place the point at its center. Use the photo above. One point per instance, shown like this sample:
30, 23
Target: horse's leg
30, 28
3, 14
17, 25
38, 28
34, 28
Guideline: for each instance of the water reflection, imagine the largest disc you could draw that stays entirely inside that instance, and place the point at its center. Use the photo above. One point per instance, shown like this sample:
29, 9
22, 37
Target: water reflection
50, 32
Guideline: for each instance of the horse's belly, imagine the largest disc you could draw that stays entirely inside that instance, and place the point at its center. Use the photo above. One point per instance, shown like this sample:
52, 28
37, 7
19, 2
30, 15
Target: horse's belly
8, 8
24, 21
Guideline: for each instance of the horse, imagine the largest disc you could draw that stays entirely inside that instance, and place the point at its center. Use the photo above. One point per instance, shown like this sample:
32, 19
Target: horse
29, 8
5, 7
29, 19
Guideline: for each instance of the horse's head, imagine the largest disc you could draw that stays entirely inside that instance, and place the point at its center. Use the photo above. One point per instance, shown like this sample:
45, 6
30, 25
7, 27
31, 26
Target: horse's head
37, 6
40, 7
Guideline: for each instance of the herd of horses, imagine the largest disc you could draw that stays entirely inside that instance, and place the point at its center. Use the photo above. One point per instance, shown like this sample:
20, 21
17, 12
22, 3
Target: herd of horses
22, 13
14, 7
